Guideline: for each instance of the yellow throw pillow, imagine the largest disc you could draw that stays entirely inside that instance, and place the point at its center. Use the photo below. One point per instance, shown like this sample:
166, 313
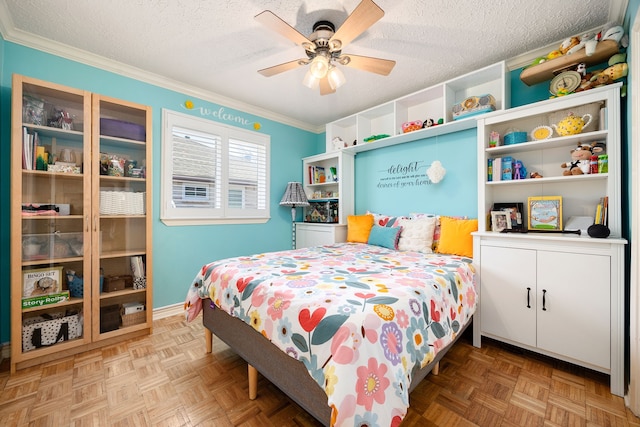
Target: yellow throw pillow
455, 236
359, 227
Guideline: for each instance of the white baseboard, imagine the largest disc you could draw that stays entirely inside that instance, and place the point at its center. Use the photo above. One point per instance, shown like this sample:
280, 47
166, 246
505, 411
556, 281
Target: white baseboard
168, 311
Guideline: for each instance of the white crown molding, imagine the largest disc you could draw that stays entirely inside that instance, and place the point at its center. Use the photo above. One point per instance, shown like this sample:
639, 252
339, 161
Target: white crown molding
11, 34
617, 10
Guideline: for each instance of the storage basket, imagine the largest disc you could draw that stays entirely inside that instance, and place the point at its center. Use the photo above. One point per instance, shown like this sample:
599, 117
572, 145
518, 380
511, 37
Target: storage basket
122, 129
122, 203
109, 318
133, 318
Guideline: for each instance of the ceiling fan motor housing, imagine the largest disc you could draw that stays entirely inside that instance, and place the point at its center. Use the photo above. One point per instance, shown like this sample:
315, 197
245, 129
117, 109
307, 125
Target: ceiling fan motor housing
323, 48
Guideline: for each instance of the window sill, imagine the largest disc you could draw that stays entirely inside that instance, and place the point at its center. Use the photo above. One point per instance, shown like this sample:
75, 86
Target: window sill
211, 221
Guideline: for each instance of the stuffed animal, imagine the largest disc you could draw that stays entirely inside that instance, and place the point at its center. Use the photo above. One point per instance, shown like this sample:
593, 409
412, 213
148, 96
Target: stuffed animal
568, 44
617, 69
589, 40
580, 160
428, 123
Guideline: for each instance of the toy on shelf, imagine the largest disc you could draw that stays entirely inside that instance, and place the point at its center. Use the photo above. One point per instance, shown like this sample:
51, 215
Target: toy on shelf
375, 137
428, 123
616, 70
411, 126
580, 161
572, 124
474, 105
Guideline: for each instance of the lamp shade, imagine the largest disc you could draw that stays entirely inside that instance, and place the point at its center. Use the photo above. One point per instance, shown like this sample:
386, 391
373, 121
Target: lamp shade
310, 81
294, 195
336, 77
319, 66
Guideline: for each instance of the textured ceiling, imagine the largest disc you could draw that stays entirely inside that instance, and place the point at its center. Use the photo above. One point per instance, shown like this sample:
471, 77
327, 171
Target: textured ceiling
213, 48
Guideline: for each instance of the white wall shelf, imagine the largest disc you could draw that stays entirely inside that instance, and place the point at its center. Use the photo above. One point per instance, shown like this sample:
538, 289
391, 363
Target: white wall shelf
339, 189
435, 103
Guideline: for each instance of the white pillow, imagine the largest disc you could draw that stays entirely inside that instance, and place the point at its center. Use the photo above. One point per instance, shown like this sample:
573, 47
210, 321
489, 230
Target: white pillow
417, 234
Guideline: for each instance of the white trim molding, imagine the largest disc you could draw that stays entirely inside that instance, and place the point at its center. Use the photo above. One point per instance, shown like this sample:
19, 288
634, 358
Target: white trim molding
632, 397
168, 311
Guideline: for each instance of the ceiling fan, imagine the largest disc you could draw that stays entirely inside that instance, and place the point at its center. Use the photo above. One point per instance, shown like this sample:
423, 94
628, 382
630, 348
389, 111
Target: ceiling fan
324, 48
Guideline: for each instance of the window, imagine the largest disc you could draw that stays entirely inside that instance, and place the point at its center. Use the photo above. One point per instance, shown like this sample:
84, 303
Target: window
213, 173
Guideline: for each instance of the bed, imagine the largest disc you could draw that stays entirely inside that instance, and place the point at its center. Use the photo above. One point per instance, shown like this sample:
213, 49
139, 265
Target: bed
346, 330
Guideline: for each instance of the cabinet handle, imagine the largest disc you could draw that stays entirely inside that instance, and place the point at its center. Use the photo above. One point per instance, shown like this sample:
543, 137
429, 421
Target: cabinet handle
544, 300
95, 223
528, 297
86, 220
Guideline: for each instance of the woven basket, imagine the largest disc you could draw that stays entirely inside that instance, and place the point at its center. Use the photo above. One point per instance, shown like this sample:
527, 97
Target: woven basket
134, 318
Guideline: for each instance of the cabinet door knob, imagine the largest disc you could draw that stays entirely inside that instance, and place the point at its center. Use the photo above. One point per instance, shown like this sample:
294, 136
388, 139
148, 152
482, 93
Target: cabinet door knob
544, 300
528, 297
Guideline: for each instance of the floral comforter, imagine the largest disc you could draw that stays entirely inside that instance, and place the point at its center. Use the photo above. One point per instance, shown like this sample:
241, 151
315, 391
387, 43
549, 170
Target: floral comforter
361, 318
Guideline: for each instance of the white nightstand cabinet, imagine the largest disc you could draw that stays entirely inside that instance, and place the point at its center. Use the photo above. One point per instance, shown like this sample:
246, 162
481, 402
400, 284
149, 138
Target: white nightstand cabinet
557, 294
310, 234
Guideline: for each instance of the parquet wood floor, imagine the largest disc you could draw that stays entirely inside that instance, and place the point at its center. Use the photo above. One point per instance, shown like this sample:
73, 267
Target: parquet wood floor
167, 379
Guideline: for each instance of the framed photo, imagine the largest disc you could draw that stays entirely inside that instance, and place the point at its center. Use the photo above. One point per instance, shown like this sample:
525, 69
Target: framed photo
545, 213
500, 220
516, 211
41, 281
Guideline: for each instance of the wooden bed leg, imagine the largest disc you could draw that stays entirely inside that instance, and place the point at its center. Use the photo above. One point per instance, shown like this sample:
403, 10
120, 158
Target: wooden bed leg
208, 339
253, 382
436, 369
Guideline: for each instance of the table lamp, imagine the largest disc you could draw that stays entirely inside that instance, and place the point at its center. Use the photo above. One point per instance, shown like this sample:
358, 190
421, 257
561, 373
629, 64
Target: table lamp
294, 196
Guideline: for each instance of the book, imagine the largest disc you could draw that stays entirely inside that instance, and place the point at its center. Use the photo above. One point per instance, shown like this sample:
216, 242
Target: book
507, 168
39, 301
41, 281
497, 168
601, 215
598, 213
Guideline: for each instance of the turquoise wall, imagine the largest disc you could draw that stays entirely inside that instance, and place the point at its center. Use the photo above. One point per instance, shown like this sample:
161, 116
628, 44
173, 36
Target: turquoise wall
387, 181
178, 252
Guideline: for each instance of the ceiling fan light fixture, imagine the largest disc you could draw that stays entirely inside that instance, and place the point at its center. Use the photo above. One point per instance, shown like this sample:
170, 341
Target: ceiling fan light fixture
310, 81
336, 77
319, 66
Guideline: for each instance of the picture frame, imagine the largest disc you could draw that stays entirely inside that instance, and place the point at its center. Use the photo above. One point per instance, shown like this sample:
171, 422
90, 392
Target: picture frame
544, 213
500, 220
516, 210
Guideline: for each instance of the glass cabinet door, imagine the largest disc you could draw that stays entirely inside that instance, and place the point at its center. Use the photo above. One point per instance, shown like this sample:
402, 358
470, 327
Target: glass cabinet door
121, 209
50, 217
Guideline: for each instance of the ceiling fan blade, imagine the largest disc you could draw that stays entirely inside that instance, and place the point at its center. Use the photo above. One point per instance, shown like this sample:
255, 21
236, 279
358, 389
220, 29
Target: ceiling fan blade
325, 87
273, 22
281, 68
373, 65
362, 17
